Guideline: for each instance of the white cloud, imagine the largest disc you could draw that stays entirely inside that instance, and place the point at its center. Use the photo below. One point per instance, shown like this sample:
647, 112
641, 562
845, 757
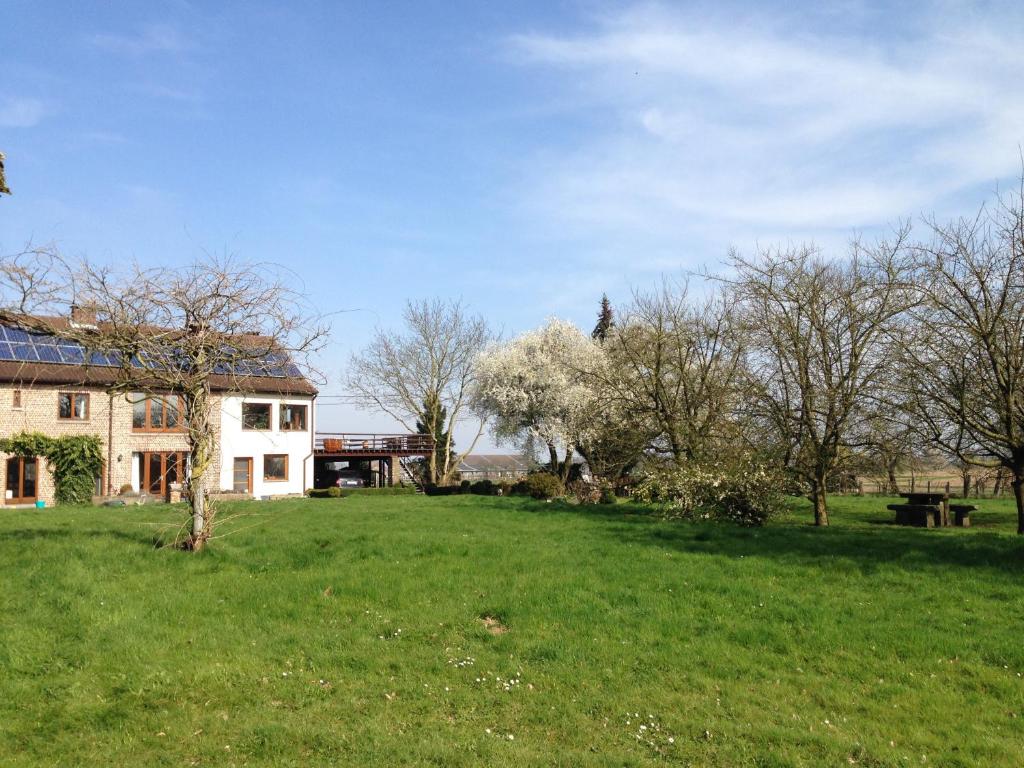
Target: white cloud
758, 125
152, 38
21, 113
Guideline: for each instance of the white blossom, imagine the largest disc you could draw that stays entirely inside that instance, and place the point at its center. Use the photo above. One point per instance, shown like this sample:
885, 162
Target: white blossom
535, 384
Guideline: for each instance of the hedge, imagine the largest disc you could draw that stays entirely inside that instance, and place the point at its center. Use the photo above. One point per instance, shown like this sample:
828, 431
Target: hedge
334, 492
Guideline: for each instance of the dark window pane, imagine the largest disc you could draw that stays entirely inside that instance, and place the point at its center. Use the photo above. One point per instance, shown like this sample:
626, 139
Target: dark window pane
171, 407
155, 472
293, 417
64, 405
13, 475
138, 411
275, 467
28, 489
156, 413
256, 415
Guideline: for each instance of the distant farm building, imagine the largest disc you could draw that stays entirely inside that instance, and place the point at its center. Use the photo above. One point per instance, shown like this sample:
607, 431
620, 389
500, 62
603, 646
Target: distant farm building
494, 466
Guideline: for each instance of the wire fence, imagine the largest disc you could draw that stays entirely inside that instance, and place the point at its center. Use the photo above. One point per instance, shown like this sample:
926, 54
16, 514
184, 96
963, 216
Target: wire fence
978, 488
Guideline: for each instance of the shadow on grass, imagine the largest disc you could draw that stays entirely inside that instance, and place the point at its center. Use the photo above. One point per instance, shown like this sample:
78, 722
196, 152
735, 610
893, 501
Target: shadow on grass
148, 539
866, 540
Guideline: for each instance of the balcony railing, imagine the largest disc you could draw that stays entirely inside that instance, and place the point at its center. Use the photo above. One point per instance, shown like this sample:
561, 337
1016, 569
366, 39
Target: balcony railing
361, 443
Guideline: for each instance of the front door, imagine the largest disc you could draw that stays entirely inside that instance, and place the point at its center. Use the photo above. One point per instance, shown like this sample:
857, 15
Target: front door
157, 470
243, 475
21, 480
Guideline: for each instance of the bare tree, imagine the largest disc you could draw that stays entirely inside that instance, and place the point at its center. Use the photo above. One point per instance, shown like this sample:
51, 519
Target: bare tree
673, 364
430, 360
884, 436
31, 279
615, 443
966, 349
817, 335
179, 330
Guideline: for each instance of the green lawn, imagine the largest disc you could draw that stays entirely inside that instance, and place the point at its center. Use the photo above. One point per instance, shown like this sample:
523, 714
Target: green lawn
349, 632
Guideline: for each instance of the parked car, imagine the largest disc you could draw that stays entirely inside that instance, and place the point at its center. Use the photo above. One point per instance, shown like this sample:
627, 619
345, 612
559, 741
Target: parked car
350, 478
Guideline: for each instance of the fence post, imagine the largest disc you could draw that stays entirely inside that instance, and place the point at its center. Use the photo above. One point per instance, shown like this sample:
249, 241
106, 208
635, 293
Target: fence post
929, 486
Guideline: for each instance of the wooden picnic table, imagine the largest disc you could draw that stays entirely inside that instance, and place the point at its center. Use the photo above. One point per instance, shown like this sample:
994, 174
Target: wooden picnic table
930, 510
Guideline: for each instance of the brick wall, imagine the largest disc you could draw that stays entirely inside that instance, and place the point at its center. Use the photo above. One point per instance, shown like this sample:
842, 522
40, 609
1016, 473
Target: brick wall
109, 418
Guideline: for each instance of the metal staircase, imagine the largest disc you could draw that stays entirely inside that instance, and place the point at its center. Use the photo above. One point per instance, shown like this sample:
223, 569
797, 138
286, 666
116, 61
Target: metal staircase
407, 474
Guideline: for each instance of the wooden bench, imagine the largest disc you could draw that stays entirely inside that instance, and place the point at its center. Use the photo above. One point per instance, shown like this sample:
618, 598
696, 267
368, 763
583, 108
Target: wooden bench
920, 515
962, 514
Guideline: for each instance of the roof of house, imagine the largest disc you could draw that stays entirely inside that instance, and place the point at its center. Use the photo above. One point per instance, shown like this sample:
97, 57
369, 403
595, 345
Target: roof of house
496, 462
29, 356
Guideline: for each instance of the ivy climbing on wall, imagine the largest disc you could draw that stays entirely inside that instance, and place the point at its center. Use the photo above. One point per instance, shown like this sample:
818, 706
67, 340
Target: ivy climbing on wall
75, 461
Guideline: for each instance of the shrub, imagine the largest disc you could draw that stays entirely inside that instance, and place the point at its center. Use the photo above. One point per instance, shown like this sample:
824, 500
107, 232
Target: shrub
442, 490
544, 485
334, 492
484, 488
387, 490
593, 491
519, 488
126, 489
585, 491
465, 486
745, 493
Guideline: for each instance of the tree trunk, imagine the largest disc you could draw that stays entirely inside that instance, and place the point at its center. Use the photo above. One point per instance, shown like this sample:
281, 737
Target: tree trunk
997, 490
818, 498
553, 456
200, 455
967, 483
567, 466
1018, 495
894, 486
432, 464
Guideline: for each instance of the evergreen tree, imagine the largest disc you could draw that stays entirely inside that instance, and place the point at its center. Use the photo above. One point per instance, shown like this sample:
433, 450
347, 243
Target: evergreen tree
605, 320
431, 422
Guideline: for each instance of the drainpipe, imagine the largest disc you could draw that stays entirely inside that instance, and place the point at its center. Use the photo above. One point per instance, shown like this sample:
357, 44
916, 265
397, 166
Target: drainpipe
110, 442
312, 441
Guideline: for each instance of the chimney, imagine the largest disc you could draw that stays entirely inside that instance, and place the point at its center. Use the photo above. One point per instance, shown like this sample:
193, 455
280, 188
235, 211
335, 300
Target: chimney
84, 315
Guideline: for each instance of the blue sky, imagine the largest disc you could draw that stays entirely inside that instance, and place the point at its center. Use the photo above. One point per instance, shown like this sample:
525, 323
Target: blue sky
522, 157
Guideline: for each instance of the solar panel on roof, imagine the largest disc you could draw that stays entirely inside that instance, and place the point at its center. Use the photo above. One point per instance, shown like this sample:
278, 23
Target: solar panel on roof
47, 353
25, 353
19, 345
101, 359
71, 355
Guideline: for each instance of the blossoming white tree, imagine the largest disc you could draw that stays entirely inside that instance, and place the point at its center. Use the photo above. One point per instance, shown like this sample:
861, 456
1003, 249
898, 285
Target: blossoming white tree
533, 387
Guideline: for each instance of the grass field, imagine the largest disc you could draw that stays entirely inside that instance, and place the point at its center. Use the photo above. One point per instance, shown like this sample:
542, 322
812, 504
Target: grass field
351, 632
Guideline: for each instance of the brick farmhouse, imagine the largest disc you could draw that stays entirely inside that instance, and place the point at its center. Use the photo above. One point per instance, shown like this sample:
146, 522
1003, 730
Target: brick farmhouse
263, 424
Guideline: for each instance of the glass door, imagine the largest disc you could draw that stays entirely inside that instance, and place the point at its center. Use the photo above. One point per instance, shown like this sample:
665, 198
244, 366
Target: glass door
243, 475
157, 470
21, 480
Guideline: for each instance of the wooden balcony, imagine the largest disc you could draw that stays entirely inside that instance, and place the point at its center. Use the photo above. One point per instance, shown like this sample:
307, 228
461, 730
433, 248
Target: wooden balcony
360, 444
